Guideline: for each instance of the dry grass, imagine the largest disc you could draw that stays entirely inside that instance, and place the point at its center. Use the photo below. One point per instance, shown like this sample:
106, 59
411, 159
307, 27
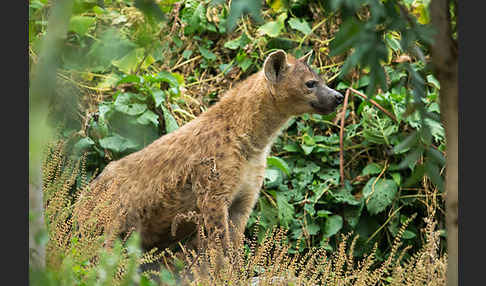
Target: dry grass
265, 263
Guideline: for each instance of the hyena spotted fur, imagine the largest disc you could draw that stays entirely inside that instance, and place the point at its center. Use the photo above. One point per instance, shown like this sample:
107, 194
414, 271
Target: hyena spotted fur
212, 167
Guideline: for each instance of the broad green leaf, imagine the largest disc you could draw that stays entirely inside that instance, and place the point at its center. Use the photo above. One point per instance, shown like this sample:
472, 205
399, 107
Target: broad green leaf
82, 145
431, 80
81, 24
272, 178
273, 28
436, 156
167, 77
323, 213
343, 195
313, 228
187, 54
436, 129
117, 143
397, 178
433, 172
207, 54
332, 225
406, 144
279, 163
130, 62
371, 169
285, 210
245, 63
239, 8
130, 79
300, 25
291, 147
407, 234
307, 149
158, 97
411, 159
392, 42
170, 122
352, 214
348, 34
123, 103
148, 117
379, 195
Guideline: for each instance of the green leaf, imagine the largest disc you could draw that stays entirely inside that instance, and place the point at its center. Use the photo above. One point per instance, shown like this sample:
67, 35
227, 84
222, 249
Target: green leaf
380, 196
392, 42
207, 54
233, 44
347, 36
81, 24
170, 122
323, 213
407, 234
130, 79
292, 147
406, 144
117, 143
148, 117
167, 77
300, 25
411, 159
371, 169
132, 60
332, 225
352, 214
273, 28
343, 195
82, 145
187, 54
432, 81
272, 178
313, 228
123, 103
158, 97
433, 172
279, 163
397, 178
307, 149
239, 8
285, 210
436, 156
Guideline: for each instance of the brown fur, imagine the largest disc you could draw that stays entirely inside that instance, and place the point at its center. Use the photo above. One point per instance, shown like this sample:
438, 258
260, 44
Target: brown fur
213, 166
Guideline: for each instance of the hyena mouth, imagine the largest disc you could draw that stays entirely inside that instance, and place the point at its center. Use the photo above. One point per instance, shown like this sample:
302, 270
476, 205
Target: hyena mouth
320, 108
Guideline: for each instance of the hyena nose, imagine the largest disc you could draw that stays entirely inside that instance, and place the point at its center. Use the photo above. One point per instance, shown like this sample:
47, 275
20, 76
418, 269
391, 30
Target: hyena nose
339, 97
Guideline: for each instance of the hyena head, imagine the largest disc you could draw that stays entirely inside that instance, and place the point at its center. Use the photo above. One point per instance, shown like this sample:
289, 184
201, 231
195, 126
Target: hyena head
296, 87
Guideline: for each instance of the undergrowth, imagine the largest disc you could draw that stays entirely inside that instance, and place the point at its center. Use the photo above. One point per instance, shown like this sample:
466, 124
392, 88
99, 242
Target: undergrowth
76, 258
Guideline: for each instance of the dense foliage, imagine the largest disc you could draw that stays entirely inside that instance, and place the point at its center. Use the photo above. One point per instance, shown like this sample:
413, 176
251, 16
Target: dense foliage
132, 71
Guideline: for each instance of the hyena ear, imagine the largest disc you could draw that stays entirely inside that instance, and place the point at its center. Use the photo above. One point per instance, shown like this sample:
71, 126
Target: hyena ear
306, 58
275, 65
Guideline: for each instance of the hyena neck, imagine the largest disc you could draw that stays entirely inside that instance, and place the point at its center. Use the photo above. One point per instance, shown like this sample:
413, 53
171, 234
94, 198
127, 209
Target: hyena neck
263, 121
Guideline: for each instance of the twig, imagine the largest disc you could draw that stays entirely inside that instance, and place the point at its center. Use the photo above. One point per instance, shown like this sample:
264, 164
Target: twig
381, 227
374, 103
185, 62
376, 180
341, 135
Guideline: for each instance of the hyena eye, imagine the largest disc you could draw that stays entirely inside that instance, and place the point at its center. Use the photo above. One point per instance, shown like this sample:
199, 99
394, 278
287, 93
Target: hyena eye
311, 83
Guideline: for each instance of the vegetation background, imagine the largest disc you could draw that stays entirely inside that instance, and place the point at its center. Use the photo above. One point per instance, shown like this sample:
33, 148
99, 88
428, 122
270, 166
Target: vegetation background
109, 77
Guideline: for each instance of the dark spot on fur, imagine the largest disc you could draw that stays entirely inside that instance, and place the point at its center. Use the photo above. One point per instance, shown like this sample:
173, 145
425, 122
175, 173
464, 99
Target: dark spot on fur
227, 139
